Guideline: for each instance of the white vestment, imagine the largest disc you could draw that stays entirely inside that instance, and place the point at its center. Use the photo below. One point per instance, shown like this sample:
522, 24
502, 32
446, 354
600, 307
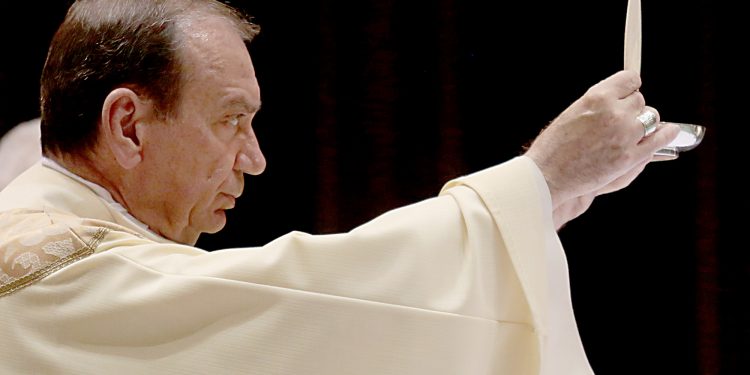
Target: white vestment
20, 148
473, 281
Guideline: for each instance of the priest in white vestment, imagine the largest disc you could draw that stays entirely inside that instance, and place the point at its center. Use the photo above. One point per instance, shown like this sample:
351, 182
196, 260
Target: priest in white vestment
146, 113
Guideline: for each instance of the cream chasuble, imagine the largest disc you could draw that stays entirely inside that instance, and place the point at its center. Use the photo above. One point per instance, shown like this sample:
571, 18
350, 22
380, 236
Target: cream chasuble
473, 281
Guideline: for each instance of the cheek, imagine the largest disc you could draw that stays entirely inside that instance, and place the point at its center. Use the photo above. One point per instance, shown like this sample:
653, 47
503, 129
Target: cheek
219, 169
197, 164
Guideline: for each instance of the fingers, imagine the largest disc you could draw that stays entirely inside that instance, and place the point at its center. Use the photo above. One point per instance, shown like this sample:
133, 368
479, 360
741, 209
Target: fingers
648, 118
635, 102
652, 109
628, 103
648, 145
620, 84
624, 180
598, 144
664, 134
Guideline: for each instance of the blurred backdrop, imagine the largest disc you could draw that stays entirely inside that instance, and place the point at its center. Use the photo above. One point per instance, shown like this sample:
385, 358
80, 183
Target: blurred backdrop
373, 104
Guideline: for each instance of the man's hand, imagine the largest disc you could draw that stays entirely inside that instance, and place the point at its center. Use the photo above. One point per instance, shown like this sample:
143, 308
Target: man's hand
597, 145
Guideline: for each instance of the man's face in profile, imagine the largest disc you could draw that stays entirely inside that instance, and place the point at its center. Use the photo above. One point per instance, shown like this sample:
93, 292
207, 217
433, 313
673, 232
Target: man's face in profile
194, 162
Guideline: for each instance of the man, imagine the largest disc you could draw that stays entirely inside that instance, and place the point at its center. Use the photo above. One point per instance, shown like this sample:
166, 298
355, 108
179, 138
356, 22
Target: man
146, 121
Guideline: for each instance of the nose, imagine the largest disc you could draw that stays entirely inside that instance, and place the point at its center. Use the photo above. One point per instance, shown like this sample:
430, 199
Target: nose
250, 159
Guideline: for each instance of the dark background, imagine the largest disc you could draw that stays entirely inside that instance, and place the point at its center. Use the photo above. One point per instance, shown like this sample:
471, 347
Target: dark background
372, 104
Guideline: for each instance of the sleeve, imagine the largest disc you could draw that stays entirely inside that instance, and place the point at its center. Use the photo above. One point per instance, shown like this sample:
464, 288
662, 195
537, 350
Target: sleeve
459, 283
527, 228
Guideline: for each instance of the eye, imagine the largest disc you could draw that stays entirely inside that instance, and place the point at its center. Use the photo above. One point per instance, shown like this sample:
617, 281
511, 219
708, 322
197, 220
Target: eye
234, 121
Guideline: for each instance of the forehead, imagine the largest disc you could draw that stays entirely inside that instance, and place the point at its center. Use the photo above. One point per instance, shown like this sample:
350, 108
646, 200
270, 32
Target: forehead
217, 65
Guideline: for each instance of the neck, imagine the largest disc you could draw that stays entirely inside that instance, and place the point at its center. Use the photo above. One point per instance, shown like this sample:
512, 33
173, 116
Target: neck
85, 167
112, 177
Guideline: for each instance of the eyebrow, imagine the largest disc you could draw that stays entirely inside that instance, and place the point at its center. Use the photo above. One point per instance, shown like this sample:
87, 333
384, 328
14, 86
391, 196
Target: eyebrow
239, 101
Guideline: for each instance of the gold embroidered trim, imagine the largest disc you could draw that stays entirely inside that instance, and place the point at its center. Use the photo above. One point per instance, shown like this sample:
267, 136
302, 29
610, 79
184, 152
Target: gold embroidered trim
79, 254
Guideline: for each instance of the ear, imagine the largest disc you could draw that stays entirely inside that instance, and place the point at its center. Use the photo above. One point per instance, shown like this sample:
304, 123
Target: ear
121, 111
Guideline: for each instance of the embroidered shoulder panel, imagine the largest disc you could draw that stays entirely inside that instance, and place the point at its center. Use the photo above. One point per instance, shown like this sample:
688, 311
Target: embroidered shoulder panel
33, 244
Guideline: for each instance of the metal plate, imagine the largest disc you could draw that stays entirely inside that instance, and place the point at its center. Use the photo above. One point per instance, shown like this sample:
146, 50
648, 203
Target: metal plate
689, 138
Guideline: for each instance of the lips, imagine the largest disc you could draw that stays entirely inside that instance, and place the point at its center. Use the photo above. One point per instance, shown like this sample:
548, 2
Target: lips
227, 201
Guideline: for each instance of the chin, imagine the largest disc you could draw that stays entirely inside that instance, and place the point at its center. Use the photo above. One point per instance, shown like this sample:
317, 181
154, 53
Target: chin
217, 222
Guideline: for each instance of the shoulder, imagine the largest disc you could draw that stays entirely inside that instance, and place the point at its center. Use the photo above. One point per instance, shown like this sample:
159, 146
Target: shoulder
35, 243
